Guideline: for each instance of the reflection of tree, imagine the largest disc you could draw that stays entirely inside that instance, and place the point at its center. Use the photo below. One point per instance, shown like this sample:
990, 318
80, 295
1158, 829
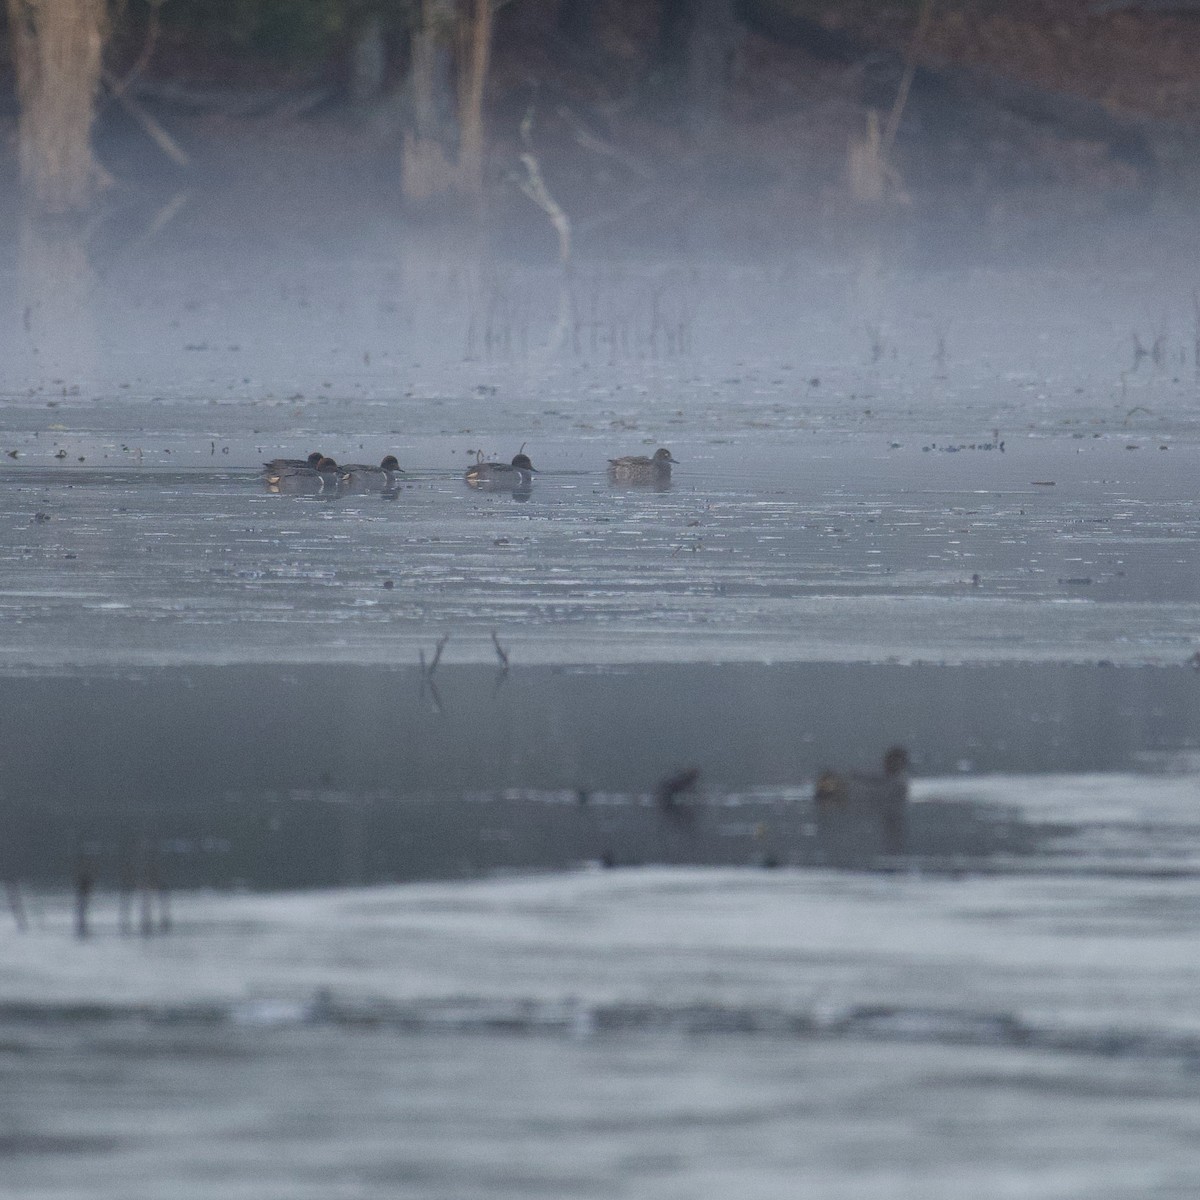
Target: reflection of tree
57, 48
55, 291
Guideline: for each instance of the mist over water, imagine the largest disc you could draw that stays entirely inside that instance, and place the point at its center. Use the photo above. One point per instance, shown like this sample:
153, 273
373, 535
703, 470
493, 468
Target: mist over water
936, 486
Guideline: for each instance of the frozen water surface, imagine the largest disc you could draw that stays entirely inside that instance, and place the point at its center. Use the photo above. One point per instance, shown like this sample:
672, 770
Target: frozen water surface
618, 1033
804, 546
952, 509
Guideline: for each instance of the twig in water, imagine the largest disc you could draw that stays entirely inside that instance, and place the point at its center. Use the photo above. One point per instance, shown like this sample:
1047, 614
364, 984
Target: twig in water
435, 698
437, 656
501, 654
427, 670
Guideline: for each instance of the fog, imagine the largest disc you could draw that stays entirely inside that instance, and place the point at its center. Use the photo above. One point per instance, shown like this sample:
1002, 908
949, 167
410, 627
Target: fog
471, 834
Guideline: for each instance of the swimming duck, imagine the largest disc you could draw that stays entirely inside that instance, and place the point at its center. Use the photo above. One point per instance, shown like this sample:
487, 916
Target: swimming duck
281, 464
860, 817
667, 794
502, 476
637, 468
362, 475
325, 473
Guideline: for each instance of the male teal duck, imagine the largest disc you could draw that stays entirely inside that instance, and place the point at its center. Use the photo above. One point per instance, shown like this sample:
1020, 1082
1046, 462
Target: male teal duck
362, 475
637, 468
502, 476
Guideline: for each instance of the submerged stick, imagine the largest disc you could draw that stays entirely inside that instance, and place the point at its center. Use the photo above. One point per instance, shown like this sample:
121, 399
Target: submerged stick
437, 654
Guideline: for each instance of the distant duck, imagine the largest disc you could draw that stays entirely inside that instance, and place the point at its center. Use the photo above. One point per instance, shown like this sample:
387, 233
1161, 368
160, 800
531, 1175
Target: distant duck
637, 468
502, 476
282, 464
325, 473
361, 475
860, 817
667, 794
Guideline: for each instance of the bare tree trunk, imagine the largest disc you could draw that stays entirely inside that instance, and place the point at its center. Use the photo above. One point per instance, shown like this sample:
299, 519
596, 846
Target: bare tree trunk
57, 48
476, 48
696, 45
443, 147
431, 142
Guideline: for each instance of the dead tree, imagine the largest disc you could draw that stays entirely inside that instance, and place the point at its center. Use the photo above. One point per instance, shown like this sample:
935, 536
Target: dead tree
57, 51
443, 144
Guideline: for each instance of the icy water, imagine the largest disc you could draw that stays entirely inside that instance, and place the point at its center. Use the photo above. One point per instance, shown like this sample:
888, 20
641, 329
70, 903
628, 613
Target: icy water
633, 1033
809, 546
349, 934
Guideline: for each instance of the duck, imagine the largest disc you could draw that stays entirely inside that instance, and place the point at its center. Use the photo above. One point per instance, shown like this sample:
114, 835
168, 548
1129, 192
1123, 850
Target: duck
637, 468
323, 473
669, 789
282, 464
860, 817
362, 474
507, 476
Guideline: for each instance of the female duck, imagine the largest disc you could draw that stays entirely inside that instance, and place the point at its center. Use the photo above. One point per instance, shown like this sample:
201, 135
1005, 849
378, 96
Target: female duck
324, 473
637, 468
282, 464
502, 476
860, 817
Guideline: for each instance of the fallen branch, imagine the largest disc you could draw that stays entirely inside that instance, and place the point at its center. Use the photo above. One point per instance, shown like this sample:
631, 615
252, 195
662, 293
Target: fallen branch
157, 134
534, 186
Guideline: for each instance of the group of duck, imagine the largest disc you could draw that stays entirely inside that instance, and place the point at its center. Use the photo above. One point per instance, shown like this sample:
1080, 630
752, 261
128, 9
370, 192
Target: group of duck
861, 817
319, 472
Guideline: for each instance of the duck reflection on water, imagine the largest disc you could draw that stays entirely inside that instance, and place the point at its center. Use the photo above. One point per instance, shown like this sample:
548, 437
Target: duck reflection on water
862, 817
